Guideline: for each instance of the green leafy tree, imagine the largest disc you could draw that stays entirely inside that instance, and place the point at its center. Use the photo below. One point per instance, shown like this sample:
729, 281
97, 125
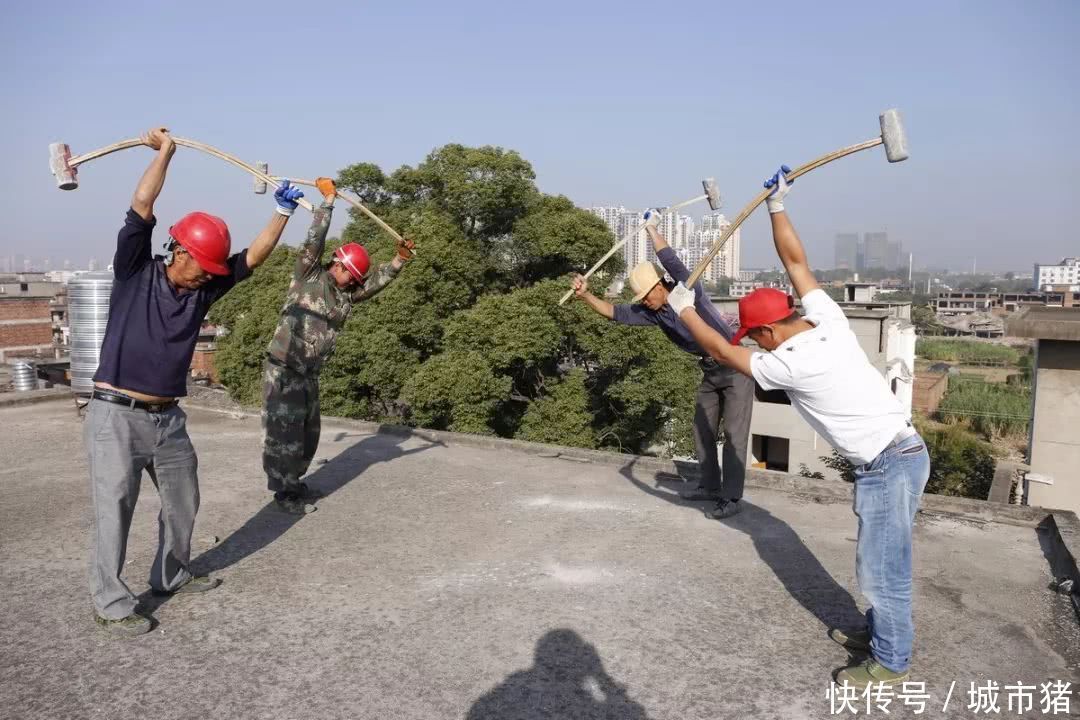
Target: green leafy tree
563, 416
555, 238
960, 464
456, 391
925, 320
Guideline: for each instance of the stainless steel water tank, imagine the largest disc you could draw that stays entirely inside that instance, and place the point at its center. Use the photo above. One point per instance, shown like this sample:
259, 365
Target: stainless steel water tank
88, 313
23, 375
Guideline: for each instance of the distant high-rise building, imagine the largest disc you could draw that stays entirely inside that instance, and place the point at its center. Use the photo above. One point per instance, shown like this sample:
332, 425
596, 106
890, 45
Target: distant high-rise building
19, 264
67, 264
847, 251
92, 265
877, 249
893, 255
5, 264
726, 263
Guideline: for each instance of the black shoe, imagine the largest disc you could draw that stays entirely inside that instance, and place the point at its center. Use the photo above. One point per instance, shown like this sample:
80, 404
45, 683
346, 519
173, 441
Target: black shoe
701, 494
198, 584
724, 509
306, 492
293, 503
130, 626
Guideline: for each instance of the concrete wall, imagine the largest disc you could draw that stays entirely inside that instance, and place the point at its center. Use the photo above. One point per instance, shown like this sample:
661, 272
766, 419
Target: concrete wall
1055, 433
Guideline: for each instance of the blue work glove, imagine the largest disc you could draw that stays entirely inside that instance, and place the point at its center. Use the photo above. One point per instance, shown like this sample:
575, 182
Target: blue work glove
286, 196
681, 298
653, 217
780, 185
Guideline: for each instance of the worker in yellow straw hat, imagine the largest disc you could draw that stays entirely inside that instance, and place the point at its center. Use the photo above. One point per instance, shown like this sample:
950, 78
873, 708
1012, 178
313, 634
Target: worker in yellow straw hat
724, 397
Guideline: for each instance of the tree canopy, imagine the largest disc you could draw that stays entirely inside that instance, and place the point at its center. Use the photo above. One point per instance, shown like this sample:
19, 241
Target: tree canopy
470, 336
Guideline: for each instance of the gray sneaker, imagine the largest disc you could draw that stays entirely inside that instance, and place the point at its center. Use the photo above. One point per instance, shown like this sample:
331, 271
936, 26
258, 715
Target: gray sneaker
131, 626
198, 584
853, 640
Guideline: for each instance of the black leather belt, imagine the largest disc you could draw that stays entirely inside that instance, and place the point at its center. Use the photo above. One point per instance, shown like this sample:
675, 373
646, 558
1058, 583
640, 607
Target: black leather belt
121, 399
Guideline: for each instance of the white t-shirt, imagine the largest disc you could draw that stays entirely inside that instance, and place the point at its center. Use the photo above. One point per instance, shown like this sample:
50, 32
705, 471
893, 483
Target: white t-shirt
832, 384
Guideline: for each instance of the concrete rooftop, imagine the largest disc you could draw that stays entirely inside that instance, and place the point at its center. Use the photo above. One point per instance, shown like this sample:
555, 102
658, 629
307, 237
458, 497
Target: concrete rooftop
1045, 323
450, 581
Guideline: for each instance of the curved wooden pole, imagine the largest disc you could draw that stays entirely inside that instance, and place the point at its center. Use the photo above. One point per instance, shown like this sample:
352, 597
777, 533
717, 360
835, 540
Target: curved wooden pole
352, 201
703, 264
183, 142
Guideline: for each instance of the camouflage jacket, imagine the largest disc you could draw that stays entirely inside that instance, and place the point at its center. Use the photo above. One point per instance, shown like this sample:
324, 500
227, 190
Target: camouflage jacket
315, 307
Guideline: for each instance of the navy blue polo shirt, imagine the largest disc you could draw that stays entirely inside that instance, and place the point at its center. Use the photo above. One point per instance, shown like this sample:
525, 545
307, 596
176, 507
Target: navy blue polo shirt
153, 326
666, 319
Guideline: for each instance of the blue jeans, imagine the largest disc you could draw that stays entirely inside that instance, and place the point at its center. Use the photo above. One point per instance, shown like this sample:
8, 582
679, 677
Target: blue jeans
887, 492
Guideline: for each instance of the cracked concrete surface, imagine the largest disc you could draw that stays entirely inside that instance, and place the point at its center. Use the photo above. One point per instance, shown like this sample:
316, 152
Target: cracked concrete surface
446, 581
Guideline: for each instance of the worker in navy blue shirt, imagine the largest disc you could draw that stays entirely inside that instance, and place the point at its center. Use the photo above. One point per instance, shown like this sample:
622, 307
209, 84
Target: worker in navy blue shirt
133, 422
724, 396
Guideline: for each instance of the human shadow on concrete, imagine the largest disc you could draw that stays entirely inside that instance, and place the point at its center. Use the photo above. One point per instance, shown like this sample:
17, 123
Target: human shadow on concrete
781, 548
271, 523
567, 680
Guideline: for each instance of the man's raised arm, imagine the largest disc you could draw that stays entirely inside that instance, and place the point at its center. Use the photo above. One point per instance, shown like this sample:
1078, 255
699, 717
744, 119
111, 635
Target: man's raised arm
286, 196
788, 246
151, 182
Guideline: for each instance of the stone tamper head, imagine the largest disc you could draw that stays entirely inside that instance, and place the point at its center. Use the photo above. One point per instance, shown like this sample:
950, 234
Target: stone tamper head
893, 136
260, 185
60, 164
712, 193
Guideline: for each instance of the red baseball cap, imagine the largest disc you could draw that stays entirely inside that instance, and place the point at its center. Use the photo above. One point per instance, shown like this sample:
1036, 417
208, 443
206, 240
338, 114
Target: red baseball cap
762, 307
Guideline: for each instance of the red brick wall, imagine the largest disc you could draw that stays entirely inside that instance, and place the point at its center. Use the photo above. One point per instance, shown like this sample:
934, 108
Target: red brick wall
24, 309
202, 365
928, 390
28, 334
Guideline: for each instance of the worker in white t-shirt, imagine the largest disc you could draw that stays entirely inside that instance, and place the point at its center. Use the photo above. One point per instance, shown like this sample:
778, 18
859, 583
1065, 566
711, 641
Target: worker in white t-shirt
817, 360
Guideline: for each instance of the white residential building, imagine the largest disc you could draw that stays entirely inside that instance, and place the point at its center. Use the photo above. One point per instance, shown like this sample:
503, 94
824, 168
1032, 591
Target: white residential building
1067, 272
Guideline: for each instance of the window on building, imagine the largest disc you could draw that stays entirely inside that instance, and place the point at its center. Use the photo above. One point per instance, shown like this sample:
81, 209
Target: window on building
770, 452
24, 287
776, 397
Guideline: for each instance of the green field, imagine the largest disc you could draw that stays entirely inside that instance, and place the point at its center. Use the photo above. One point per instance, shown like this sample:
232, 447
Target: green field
966, 351
993, 410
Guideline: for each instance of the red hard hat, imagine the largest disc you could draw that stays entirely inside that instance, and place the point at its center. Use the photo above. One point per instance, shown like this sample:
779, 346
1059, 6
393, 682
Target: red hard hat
206, 238
764, 306
355, 259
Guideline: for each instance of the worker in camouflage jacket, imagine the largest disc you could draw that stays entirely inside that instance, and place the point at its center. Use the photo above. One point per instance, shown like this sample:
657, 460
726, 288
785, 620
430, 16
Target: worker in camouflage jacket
317, 305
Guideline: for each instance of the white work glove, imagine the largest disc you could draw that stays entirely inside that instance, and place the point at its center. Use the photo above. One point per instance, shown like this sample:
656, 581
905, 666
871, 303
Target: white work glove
680, 298
780, 185
653, 217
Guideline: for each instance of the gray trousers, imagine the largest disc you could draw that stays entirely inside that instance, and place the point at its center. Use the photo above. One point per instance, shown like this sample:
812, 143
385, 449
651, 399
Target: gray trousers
726, 396
121, 443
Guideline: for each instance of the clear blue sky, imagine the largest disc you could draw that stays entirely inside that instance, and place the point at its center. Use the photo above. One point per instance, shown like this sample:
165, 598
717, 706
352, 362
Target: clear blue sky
612, 102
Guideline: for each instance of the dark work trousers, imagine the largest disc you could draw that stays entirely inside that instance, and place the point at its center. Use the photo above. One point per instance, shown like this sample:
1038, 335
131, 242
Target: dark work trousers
724, 395
292, 425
